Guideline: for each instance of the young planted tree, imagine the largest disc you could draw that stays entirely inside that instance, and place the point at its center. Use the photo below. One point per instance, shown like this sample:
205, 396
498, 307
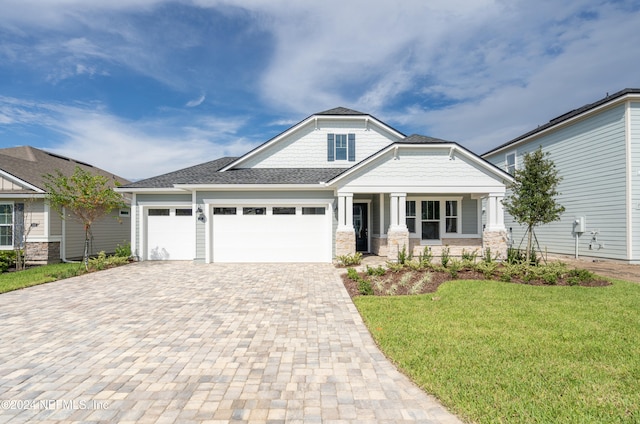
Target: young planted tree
532, 200
86, 196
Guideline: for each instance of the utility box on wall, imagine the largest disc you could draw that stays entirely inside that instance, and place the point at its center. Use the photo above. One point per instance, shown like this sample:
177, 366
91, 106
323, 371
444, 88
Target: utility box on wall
579, 224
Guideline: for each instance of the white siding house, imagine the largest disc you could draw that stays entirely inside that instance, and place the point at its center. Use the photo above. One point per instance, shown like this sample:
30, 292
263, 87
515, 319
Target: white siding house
338, 182
596, 150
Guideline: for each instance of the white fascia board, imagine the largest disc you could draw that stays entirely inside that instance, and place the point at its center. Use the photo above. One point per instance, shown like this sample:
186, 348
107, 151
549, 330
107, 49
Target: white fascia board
148, 190
249, 187
422, 189
452, 147
312, 120
23, 195
570, 121
20, 182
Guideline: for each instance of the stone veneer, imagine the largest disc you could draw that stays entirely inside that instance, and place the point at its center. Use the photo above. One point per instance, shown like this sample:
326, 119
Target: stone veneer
497, 241
345, 242
43, 253
396, 240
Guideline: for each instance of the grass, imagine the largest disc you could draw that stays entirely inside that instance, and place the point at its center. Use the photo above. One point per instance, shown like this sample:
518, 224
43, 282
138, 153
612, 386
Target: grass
512, 353
38, 275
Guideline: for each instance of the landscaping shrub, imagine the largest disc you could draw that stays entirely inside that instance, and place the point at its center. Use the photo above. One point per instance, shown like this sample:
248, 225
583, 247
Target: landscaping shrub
7, 259
469, 256
123, 251
379, 270
425, 257
455, 266
352, 274
403, 256
582, 275
102, 261
444, 256
349, 260
364, 287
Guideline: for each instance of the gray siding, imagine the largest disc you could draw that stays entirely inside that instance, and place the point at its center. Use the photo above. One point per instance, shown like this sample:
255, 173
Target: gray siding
469, 215
634, 139
106, 234
590, 156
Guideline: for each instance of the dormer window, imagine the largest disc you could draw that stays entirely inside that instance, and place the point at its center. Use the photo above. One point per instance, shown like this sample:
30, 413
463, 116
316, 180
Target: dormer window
341, 147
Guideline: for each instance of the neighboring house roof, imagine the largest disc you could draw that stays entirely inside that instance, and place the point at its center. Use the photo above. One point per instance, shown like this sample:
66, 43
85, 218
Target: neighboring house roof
569, 115
28, 165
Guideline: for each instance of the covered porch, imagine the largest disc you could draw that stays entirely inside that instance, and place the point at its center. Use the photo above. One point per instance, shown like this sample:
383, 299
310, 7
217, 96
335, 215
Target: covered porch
384, 224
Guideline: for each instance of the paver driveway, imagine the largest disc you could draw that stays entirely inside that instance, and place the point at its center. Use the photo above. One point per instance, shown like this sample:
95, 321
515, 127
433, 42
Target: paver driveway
183, 342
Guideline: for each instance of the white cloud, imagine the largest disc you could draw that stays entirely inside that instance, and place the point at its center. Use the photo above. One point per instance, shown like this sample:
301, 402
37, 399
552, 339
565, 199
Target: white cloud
196, 102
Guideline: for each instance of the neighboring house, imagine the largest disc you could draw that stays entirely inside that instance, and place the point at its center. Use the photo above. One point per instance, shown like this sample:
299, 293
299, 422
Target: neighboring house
596, 150
338, 182
24, 210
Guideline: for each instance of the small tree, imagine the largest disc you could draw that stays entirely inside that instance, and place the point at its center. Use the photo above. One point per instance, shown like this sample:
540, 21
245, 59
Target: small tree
86, 196
532, 200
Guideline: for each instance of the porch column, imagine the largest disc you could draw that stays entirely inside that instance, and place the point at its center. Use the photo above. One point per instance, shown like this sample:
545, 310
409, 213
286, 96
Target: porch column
398, 234
345, 234
494, 236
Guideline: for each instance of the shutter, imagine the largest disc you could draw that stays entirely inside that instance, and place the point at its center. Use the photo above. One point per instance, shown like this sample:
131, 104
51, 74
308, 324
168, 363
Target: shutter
331, 145
352, 147
18, 225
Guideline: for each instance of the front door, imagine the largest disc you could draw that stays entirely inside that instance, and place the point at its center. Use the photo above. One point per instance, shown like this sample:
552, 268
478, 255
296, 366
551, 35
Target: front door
361, 225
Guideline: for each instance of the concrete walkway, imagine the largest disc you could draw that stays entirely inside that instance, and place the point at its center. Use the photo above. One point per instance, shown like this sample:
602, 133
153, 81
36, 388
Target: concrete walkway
181, 342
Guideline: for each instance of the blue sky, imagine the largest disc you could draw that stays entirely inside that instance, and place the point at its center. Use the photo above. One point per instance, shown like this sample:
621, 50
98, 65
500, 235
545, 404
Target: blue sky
144, 87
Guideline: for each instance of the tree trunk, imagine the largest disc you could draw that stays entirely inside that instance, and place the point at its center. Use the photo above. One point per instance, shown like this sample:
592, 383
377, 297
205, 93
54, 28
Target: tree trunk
86, 248
529, 243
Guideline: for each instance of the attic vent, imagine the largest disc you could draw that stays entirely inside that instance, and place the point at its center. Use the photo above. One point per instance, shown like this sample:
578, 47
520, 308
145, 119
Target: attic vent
58, 156
563, 116
69, 160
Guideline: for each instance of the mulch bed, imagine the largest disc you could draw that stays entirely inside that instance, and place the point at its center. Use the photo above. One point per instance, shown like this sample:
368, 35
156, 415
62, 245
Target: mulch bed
392, 284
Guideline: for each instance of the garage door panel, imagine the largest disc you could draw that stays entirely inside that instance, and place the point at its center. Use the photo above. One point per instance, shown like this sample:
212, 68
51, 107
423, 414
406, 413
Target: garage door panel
271, 238
170, 237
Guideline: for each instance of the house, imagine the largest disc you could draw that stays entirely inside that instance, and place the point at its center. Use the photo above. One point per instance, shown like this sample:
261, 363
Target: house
338, 182
596, 150
24, 210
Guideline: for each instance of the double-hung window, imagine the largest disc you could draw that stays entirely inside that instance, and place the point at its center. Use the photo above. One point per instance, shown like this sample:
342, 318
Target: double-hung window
341, 147
510, 163
433, 219
6, 225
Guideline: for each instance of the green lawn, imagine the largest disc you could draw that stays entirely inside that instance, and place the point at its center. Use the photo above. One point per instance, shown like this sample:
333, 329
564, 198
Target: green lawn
33, 276
500, 352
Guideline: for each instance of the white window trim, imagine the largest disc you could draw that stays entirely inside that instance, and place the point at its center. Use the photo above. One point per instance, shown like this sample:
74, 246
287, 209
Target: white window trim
515, 161
443, 220
335, 149
13, 221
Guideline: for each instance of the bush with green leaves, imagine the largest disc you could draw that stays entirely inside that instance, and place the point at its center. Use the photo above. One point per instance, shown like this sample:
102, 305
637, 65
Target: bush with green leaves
455, 265
102, 261
364, 287
488, 269
403, 255
425, 257
379, 270
123, 251
581, 275
444, 256
349, 259
352, 274
469, 256
7, 259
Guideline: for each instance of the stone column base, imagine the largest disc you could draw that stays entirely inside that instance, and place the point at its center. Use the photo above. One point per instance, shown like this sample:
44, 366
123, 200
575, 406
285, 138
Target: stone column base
43, 252
345, 242
396, 240
497, 242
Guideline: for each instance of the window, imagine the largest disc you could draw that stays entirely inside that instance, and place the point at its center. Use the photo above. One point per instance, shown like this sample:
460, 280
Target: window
6, 225
313, 211
510, 163
284, 210
254, 211
341, 147
451, 216
224, 211
430, 219
158, 212
433, 219
184, 212
411, 216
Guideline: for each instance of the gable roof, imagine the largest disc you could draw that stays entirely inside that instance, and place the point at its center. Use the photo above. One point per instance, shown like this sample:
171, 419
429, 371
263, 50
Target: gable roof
331, 113
27, 166
569, 115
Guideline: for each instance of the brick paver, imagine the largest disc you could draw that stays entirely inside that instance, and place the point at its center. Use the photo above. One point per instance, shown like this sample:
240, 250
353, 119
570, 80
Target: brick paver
159, 342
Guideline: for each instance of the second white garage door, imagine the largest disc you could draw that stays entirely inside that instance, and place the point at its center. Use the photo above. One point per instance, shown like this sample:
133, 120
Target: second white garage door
271, 234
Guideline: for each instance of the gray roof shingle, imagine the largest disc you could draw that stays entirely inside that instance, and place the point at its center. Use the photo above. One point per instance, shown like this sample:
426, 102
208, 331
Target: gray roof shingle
341, 111
207, 173
30, 165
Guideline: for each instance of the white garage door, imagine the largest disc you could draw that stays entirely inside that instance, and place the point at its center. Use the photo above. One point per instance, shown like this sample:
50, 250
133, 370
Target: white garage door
170, 234
271, 234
